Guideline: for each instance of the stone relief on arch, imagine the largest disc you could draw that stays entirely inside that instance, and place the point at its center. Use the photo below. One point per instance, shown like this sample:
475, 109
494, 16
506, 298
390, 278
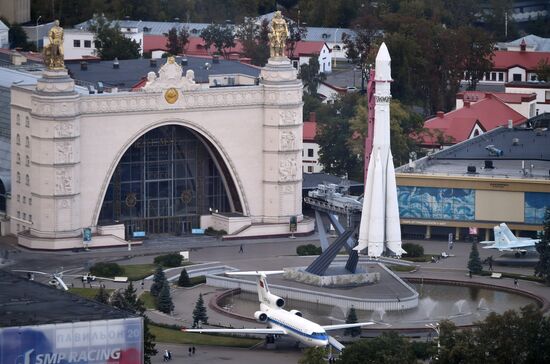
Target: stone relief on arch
288, 140
288, 169
170, 76
63, 181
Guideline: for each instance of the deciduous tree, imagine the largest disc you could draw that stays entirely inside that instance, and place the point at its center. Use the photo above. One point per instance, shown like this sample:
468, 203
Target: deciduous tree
220, 36
110, 42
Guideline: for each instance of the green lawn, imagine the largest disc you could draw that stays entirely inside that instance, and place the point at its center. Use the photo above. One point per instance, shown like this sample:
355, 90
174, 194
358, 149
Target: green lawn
148, 300
165, 335
402, 268
87, 292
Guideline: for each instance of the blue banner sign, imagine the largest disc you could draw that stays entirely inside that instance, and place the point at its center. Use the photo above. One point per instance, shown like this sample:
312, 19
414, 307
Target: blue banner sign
138, 234
197, 231
89, 342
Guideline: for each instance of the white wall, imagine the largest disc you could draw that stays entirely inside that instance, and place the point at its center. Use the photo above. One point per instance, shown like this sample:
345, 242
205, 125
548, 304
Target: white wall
84, 43
516, 70
311, 164
543, 97
4, 41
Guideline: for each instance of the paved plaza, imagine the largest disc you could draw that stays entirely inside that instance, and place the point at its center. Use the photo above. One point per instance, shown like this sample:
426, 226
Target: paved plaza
264, 254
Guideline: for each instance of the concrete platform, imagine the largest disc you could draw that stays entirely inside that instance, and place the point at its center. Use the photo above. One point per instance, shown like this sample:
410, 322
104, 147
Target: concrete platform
391, 293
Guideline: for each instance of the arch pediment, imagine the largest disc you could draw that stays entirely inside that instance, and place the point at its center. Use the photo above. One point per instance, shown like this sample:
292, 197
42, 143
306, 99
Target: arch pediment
171, 76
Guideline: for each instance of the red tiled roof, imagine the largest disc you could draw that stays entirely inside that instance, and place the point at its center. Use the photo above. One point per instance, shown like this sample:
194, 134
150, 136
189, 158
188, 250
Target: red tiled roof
195, 47
489, 113
308, 48
504, 60
508, 98
310, 129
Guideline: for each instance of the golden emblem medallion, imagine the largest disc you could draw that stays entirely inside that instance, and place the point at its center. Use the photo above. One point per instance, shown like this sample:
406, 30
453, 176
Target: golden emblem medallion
171, 95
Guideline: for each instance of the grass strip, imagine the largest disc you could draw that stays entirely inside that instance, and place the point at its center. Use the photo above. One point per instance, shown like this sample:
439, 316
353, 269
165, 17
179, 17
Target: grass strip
173, 336
87, 292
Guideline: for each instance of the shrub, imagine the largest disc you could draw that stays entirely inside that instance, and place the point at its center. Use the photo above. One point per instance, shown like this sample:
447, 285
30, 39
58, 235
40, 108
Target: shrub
169, 260
213, 232
308, 249
103, 269
413, 250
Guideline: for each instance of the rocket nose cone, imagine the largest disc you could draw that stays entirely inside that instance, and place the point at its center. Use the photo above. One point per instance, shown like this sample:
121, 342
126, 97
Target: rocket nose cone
383, 53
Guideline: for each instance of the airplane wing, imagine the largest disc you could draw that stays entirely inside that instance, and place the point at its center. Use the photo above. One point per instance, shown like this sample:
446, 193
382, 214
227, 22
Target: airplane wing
266, 331
61, 283
335, 343
345, 326
31, 271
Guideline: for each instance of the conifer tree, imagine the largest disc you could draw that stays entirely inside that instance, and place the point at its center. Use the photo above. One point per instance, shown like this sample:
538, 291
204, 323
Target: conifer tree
474, 263
352, 319
164, 301
119, 301
158, 281
148, 342
134, 303
199, 313
102, 295
542, 269
183, 280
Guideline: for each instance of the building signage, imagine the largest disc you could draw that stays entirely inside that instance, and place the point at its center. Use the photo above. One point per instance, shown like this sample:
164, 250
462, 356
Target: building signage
86, 235
91, 342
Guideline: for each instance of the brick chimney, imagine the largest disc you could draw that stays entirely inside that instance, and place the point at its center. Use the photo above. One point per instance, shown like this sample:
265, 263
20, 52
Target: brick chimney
441, 114
312, 117
466, 103
523, 45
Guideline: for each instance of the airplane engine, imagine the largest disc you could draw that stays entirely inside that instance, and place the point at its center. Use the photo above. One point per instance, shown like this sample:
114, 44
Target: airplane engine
260, 316
53, 282
296, 312
276, 300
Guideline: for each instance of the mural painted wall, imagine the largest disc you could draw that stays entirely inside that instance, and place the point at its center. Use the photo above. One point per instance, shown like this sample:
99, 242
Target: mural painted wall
535, 206
436, 203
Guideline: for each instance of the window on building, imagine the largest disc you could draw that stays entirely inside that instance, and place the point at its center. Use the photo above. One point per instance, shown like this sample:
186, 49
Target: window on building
87, 44
18, 214
18, 198
501, 76
336, 47
24, 199
30, 201
18, 119
18, 139
18, 158
310, 169
27, 142
24, 216
516, 77
310, 152
547, 96
534, 77
27, 161
76, 43
30, 217
493, 76
17, 227
18, 177
27, 180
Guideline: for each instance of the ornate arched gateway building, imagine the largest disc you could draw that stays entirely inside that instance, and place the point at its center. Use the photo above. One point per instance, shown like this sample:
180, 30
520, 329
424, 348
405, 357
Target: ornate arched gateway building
169, 158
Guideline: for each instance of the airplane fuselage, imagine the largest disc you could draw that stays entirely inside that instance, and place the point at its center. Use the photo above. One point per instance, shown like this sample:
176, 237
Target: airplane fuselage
305, 331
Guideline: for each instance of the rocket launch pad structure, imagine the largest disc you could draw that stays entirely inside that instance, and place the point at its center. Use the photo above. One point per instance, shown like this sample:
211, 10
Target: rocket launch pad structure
379, 230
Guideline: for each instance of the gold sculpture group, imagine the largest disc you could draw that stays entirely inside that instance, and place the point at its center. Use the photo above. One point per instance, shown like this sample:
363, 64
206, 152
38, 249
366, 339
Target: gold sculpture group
278, 34
53, 52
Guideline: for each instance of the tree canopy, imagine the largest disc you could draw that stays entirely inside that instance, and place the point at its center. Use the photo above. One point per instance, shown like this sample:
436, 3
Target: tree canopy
111, 43
220, 36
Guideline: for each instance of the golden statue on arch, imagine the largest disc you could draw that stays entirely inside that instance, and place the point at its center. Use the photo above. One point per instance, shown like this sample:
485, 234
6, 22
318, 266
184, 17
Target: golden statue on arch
278, 34
53, 52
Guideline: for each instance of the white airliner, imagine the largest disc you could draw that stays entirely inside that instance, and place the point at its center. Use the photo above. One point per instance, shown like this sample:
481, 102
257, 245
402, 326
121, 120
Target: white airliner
283, 322
505, 240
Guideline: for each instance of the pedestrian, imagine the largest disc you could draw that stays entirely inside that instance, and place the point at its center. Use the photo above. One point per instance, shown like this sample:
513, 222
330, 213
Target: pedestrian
190, 351
193, 350
165, 358
470, 273
516, 282
241, 250
490, 263
169, 355
142, 283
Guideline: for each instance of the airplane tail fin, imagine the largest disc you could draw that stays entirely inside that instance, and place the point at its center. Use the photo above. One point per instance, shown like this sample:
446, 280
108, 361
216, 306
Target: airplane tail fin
261, 281
501, 240
507, 232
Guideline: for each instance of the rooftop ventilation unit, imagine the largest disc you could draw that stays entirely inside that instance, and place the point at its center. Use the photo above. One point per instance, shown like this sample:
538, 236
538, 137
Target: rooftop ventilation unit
152, 63
471, 169
83, 66
489, 165
515, 141
184, 62
216, 59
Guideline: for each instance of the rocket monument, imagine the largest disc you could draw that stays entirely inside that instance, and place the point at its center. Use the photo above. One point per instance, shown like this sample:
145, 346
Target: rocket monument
380, 230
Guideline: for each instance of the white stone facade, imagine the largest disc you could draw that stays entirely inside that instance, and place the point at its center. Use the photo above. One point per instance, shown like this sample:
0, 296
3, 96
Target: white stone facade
70, 143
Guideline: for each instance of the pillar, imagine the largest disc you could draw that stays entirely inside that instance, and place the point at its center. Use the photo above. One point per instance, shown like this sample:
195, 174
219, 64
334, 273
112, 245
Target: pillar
282, 142
487, 234
428, 232
457, 233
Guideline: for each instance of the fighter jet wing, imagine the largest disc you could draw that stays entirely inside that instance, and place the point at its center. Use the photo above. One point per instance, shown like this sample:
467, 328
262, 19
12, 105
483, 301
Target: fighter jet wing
266, 331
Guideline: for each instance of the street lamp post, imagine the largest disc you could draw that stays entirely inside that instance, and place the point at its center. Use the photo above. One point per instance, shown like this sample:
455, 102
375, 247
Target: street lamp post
36, 28
335, 40
435, 327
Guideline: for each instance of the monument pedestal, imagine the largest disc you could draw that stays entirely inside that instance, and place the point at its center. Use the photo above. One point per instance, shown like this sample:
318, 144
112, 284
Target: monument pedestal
55, 82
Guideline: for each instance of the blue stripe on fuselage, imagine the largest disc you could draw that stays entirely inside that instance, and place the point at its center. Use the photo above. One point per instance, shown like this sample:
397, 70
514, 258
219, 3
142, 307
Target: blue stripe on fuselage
316, 336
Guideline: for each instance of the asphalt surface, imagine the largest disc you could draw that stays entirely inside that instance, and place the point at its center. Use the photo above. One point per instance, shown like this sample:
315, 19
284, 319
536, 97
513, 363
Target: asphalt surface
264, 254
